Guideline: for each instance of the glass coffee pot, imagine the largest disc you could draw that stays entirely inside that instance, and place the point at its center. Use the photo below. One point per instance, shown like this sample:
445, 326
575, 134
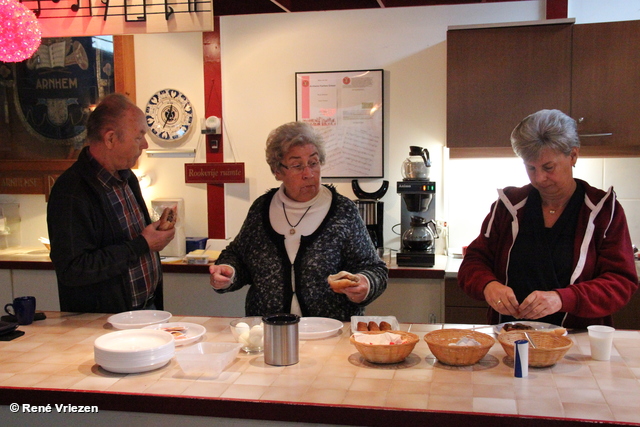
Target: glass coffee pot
420, 236
418, 165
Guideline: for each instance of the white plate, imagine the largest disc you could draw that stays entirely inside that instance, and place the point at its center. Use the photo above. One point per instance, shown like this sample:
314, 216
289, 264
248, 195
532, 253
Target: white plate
537, 326
138, 319
366, 319
133, 350
194, 331
314, 328
133, 342
125, 369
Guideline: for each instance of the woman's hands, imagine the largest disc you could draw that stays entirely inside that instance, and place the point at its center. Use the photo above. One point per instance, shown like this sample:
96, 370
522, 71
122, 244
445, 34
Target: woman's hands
502, 299
539, 304
354, 286
220, 276
536, 305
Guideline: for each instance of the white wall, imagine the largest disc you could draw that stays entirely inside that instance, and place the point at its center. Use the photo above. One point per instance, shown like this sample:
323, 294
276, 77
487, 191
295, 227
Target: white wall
262, 53
174, 61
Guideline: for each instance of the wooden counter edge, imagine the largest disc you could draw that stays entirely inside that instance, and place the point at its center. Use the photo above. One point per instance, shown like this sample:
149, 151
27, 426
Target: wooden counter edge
273, 411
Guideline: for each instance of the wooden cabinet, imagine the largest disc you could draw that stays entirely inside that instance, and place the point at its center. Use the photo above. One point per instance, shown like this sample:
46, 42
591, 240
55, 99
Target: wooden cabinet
498, 76
461, 308
629, 316
605, 86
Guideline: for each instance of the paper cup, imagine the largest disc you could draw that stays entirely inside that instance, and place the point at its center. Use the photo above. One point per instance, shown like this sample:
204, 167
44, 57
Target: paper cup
601, 339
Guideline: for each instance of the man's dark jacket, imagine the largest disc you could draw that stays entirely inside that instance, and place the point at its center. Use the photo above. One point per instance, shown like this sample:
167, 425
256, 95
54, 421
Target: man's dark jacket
89, 250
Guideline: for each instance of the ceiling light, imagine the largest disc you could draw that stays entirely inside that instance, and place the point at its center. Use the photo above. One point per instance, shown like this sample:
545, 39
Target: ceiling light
20, 33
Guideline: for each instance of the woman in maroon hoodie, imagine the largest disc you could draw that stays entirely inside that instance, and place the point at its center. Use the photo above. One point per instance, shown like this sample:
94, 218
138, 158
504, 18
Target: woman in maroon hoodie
556, 250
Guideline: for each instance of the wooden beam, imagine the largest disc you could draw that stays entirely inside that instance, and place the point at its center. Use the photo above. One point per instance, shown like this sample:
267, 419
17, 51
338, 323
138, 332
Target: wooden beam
124, 65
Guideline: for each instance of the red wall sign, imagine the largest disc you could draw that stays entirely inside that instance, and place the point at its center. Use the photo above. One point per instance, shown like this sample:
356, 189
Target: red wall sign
214, 173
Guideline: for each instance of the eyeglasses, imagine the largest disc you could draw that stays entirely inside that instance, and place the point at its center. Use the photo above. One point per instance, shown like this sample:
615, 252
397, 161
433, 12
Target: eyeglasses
298, 168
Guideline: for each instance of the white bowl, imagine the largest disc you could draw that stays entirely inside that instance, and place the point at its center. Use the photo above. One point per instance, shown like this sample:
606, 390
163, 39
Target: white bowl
209, 358
138, 319
253, 342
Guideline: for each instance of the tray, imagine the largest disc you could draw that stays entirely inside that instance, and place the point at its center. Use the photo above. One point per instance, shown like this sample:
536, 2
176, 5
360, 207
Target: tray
389, 319
537, 326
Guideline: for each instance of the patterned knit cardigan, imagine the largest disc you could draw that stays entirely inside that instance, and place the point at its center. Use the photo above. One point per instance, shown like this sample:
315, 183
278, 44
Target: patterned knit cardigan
341, 242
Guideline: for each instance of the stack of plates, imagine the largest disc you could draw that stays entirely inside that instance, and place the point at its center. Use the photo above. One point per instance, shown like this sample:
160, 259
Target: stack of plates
134, 350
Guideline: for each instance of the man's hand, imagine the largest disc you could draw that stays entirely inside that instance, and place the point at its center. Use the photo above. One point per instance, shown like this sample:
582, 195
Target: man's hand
157, 239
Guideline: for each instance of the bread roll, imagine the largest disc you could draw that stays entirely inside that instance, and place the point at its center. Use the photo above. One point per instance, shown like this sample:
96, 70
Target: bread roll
373, 326
362, 326
167, 219
385, 326
343, 280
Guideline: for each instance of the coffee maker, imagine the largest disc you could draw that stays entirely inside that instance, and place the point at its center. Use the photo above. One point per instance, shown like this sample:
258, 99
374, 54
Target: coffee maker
417, 211
371, 210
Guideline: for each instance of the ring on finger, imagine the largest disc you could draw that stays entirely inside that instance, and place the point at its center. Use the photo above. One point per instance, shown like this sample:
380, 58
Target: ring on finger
499, 301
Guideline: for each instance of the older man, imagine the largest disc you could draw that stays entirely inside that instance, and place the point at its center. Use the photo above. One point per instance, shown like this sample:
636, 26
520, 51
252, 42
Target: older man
103, 245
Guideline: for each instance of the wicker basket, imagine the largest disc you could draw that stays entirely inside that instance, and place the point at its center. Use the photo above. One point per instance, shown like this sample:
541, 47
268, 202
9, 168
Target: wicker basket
550, 348
395, 353
458, 355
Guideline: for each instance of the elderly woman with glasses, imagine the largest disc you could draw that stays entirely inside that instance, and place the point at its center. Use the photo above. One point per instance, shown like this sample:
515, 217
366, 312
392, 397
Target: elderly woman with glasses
303, 248
556, 250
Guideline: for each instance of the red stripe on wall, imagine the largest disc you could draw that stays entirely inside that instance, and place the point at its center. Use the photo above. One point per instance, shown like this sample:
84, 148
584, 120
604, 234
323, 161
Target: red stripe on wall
557, 9
213, 107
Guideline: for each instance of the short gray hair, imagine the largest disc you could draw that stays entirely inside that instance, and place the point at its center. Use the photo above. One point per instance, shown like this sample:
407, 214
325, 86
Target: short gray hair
108, 115
288, 135
546, 128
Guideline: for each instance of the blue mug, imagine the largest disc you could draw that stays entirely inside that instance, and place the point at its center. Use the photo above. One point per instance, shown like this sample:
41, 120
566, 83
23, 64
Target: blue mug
24, 309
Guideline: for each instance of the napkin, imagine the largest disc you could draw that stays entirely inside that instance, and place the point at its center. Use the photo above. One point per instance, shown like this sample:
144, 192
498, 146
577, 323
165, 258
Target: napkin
387, 338
466, 342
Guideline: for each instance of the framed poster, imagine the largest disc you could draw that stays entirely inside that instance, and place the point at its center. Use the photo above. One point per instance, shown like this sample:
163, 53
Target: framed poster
45, 103
346, 108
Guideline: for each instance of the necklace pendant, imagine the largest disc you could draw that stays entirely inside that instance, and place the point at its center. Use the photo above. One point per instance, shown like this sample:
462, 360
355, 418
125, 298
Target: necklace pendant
552, 211
292, 231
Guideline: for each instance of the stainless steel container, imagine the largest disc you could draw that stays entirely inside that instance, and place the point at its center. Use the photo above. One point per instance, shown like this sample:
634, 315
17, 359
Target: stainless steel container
281, 343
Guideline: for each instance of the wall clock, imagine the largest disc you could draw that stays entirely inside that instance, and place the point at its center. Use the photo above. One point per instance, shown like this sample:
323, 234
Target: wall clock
170, 116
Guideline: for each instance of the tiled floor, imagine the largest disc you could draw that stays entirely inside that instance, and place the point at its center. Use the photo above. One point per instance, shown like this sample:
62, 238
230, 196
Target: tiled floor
58, 353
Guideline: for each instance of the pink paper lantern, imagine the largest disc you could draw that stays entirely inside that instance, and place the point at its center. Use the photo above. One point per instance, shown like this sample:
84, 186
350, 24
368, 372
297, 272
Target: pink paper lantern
20, 33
